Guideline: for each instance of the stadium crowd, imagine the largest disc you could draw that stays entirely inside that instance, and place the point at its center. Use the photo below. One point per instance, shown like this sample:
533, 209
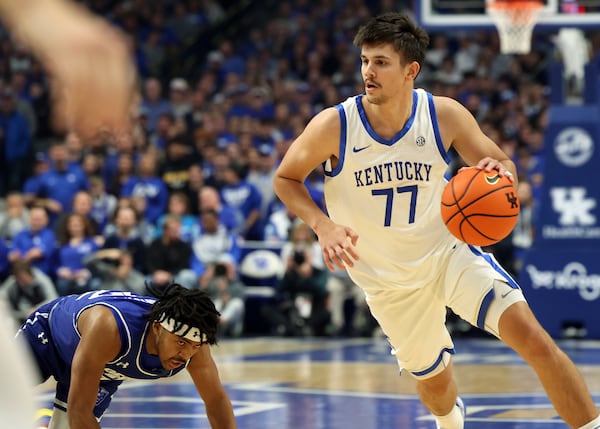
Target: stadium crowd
224, 88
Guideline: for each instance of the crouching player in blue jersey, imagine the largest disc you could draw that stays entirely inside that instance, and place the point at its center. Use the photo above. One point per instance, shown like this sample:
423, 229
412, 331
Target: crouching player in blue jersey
91, 342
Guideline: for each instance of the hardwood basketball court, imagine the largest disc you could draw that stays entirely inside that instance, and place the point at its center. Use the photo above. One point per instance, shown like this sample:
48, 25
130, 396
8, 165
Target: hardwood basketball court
280, 383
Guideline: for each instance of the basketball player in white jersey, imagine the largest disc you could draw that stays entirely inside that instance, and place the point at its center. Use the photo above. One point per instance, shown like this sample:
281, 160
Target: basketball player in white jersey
386, 153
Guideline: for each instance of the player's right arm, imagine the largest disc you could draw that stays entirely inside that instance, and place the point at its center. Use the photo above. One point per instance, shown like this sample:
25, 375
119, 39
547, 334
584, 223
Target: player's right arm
100, 343
318, 143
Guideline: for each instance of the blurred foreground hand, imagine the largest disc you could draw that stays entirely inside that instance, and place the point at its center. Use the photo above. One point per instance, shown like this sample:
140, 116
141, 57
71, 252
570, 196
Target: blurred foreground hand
93, 77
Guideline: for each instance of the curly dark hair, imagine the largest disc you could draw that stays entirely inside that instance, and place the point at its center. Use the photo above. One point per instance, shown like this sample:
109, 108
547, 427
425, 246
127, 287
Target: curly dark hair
398, 29
191, 307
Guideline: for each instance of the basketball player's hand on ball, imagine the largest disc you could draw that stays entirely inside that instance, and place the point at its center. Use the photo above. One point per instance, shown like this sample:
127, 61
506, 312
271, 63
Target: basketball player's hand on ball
337, 243
489, 164
92, 75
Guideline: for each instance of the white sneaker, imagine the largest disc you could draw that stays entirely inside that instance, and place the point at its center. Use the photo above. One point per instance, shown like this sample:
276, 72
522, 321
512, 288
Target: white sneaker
461, 406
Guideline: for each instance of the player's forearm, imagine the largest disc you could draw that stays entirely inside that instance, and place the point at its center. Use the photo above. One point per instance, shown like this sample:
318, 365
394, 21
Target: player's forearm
220, 415
296, 197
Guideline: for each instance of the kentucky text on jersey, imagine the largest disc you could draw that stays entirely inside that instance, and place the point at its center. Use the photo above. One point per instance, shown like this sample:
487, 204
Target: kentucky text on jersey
392, 171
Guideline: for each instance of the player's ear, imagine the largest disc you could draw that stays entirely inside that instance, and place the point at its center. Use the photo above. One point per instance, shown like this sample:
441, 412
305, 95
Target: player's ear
412, 70
156, 328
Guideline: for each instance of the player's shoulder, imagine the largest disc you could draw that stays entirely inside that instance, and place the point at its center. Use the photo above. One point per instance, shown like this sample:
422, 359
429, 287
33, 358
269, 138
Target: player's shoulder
323, 125
450, 112
446, 105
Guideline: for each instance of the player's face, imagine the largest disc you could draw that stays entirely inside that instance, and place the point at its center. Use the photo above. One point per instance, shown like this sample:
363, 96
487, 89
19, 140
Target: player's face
173, 350
383, 72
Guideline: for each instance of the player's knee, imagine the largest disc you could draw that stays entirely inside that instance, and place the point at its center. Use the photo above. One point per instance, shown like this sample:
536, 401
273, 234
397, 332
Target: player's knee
437, 386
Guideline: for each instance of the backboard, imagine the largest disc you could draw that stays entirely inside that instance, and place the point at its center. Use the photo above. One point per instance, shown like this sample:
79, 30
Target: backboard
470, 14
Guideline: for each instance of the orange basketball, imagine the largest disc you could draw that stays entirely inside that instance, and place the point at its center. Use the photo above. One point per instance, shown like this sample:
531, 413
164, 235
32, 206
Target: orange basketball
478, 207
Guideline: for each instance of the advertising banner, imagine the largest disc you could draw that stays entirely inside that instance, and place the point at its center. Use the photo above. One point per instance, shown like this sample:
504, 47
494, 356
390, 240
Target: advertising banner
561, 272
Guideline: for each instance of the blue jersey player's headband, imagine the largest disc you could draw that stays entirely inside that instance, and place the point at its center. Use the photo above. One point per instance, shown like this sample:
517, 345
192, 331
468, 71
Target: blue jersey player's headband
183, 330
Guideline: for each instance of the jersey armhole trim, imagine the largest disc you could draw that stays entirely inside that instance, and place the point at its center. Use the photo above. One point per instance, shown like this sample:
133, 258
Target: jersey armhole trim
436, 129
331, 172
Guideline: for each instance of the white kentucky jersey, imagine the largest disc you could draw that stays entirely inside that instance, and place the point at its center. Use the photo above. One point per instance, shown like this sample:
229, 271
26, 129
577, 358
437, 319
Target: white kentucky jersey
389, 192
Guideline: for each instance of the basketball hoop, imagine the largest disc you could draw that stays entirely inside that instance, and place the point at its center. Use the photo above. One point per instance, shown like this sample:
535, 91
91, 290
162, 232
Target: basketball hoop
515, 21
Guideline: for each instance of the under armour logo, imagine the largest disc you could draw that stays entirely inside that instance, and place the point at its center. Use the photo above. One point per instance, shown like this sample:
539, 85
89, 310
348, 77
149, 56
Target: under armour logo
42, 337
196, 334
122, 364
512, 200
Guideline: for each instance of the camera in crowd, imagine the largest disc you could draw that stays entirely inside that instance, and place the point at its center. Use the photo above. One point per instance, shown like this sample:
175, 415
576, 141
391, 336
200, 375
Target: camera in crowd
220, 270
299, 257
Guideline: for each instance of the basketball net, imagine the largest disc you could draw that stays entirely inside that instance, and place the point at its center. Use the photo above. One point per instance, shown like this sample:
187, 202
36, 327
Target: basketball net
515, 21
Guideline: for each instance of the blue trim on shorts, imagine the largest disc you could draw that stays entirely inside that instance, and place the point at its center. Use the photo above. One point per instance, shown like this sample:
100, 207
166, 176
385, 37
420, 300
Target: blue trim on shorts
485, 306
436, 363
496, 266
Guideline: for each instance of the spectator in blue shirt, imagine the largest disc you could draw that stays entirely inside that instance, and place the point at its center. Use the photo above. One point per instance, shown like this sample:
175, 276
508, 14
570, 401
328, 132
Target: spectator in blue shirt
153, 103
124, 234
77, 242
36, 243
150, 186
210, 199
41, 164
245, 198
179, 205
58, 186
214, 246
15, 140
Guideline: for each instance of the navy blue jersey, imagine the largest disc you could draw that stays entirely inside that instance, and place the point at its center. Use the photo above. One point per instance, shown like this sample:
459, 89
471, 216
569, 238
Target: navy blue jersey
52, 334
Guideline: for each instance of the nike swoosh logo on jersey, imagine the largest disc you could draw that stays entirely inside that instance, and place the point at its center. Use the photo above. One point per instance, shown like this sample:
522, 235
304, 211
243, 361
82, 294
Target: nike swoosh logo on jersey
505, 294
358, 149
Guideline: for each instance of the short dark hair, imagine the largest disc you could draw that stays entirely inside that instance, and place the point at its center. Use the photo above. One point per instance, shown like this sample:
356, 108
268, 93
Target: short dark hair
192, 307
398, 29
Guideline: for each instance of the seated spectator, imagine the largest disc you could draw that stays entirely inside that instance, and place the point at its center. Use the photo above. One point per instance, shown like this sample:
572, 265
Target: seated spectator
41, 164
245, 198
145, 227
26, 289
36, 243
228, 296
14, 217
209, 199
124, 235
124, 170
75, 244
301, 296
113, 269
58, 186
82, 205
103, 203
168, 258
279, 225
214, 245
150, 186
179, 206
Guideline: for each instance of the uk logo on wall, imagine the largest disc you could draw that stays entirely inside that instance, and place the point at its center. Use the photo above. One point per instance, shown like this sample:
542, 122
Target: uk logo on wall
570, 208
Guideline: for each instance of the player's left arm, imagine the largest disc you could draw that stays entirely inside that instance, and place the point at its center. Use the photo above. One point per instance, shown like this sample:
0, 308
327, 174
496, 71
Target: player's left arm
460, 130
100, 343
204, 373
